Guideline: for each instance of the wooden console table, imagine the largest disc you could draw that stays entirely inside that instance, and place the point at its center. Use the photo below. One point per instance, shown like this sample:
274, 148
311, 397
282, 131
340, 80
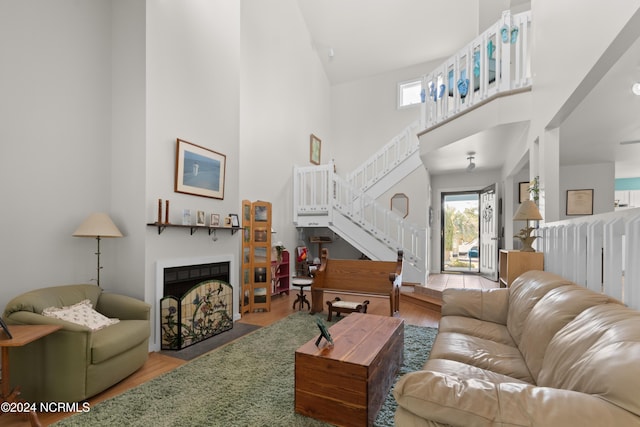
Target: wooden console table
22, 335
514, 263
346, 384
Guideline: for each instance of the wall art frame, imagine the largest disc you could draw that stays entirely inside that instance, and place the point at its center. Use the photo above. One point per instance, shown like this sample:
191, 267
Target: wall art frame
580, 202
523, 193
199, 170
315, 148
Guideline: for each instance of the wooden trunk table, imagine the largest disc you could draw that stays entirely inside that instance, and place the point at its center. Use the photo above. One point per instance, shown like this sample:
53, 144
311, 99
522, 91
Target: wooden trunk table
346, 384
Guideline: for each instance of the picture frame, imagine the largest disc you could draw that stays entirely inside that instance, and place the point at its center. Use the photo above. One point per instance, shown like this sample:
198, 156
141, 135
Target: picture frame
200, 218
227, 221
199, 171
580, 202
235, 221
324, 333
523, 193
186, 217
215, 220
5, 328
315, 146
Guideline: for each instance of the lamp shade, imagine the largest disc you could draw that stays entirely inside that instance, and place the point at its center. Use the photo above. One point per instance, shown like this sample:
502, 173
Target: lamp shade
527, 211
97, 225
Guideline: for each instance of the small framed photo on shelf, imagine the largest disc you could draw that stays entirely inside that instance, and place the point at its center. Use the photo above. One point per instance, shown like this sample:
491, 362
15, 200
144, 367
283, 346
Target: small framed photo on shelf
235, 221
186, 217
314, 149
200, 218
215, 220
227, 221
580, 202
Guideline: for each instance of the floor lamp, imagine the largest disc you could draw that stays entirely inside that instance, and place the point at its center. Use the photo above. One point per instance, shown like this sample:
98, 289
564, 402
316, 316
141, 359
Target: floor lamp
97, 225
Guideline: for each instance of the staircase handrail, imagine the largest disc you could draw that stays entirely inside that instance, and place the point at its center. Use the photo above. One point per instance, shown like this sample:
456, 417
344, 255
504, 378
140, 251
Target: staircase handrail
391, 155
379, 221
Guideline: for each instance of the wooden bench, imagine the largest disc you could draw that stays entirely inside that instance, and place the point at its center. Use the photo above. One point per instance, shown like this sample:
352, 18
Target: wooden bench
382, 278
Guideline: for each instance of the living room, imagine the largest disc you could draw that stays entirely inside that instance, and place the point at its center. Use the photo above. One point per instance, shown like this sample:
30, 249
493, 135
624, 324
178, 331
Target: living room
98, 92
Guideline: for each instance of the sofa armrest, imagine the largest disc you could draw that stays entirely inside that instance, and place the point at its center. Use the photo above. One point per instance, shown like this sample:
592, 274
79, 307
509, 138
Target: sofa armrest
456, 401
491, 305
122, 307
29, 318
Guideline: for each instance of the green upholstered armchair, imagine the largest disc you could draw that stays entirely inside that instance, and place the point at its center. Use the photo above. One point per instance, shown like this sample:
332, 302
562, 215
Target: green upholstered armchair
76, 362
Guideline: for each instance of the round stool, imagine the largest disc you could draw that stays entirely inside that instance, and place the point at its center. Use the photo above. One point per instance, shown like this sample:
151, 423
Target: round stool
301, 283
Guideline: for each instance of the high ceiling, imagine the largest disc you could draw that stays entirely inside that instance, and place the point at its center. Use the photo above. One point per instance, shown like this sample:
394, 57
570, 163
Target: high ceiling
360, 38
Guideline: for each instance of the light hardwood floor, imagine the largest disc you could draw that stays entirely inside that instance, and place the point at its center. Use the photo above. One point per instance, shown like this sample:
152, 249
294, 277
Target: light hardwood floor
281, 306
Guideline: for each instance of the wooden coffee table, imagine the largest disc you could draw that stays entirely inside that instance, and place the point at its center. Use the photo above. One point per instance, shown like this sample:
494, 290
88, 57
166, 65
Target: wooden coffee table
346, 384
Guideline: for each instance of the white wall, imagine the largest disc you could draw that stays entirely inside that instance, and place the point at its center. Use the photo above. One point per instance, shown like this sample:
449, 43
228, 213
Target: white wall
193, 93
284, 97
556, 93
55, 165
598, 177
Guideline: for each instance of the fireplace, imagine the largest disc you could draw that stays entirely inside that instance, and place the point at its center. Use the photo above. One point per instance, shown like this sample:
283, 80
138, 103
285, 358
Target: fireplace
196, 300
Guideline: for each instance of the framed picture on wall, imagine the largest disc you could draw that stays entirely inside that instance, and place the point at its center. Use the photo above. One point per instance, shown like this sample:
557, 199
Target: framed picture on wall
314, 149
199, 171
580, 202
524, 191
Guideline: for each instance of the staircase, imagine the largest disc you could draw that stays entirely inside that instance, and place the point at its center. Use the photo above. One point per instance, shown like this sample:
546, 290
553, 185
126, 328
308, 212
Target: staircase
324, 199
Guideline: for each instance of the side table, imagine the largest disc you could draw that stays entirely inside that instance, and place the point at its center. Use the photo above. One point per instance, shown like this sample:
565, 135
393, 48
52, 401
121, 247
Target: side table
22, 335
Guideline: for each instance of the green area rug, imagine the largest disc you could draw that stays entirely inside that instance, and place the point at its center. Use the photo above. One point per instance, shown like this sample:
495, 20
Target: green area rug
249, 382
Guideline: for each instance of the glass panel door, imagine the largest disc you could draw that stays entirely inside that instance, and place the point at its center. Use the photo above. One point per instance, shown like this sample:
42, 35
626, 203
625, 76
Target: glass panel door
460, 232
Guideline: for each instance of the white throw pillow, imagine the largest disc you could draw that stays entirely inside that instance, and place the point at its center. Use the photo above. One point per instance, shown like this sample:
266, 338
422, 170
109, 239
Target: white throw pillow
81, 313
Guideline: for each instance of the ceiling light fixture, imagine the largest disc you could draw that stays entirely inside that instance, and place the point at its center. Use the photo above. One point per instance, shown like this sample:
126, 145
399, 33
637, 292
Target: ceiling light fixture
471, 166
635, 88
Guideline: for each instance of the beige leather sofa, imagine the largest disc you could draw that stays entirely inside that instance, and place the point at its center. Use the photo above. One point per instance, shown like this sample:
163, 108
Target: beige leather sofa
545, 352
76, 362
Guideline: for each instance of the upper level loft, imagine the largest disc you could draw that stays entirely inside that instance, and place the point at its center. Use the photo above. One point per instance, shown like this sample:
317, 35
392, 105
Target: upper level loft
494, 65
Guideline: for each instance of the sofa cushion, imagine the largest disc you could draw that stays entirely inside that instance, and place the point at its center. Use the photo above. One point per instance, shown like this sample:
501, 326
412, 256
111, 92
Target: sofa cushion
482, 353
118, 338
557, 308
477, 328
597, 353
524, 293
81, 313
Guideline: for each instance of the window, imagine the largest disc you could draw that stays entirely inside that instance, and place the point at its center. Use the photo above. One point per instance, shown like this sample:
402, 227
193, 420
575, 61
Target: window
409, 93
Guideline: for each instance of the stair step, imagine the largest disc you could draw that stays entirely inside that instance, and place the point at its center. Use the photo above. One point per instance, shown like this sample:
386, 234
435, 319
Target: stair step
421, 300
427, 291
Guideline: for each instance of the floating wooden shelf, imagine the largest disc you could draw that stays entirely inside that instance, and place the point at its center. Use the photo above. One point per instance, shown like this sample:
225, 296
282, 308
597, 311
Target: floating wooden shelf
193, 228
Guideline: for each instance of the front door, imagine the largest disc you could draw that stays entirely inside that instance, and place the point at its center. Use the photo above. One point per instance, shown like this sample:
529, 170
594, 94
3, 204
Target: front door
489, 233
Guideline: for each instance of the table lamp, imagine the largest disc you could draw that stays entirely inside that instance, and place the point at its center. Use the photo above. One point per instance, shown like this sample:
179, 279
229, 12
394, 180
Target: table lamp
526, 212
97, 225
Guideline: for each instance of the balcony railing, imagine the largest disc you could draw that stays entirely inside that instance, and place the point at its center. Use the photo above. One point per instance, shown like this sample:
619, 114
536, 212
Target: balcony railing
495, 62
598, 252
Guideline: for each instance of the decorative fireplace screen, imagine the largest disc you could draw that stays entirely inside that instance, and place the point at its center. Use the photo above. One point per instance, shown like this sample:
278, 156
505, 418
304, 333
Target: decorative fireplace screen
202, 312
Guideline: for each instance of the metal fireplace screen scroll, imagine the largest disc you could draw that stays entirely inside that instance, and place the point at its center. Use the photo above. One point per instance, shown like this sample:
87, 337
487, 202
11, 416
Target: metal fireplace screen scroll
202, 312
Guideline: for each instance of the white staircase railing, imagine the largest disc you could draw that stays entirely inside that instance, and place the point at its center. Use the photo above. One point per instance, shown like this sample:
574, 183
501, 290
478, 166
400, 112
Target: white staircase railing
319, 194
598, 252
390, 156
497, 61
